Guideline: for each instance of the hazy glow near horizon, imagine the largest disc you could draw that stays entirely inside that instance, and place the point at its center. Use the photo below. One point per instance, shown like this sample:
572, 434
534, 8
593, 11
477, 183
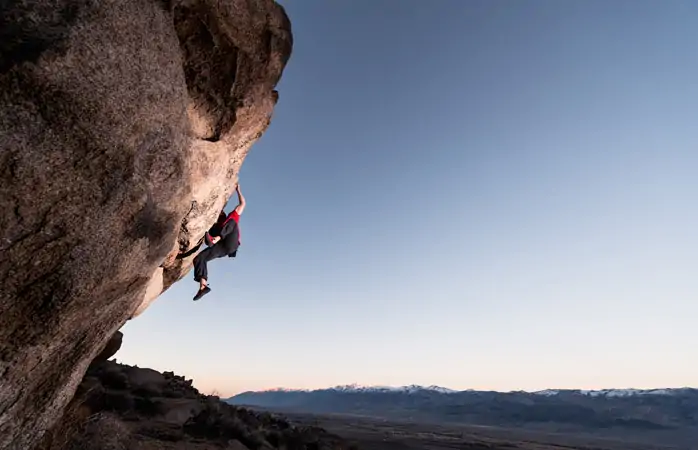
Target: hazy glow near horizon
485, 195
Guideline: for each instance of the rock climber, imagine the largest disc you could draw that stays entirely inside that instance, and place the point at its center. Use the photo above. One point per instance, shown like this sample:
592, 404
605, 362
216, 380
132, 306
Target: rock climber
222, 239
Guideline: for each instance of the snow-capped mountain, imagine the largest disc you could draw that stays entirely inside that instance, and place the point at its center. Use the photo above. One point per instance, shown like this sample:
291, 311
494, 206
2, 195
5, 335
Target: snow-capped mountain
639, 409
614, 392
414, 388
348, 388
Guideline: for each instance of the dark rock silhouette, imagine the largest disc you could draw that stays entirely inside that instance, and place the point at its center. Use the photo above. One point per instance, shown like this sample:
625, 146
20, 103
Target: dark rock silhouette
120, 406
113, 346
123, 126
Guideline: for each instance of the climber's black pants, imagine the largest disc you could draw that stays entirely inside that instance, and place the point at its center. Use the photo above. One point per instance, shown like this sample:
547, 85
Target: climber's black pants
217, 251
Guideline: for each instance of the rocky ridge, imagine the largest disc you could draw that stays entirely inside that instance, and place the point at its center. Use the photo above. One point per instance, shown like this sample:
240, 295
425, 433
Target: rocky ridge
125, 407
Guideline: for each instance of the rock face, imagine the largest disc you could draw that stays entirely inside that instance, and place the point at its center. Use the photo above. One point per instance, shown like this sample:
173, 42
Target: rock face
123, 125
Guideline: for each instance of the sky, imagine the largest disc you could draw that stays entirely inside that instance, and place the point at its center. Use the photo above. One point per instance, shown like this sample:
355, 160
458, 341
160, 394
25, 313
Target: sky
472, 194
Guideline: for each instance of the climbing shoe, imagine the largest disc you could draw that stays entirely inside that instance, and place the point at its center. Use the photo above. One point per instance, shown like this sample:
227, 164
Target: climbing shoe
202, 292
208, 240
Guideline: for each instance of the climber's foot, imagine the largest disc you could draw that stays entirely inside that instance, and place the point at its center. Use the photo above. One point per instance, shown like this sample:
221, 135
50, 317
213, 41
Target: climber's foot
202, 292
208, 240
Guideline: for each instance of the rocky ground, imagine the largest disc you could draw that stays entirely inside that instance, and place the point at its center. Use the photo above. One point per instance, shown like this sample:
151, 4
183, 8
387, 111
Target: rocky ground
120, 407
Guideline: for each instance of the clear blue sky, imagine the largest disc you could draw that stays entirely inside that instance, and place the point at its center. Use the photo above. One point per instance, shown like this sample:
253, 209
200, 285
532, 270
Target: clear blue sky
474, 194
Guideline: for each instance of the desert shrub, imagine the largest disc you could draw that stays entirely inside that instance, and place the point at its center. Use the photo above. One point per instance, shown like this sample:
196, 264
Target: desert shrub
101, 432
147, 391
274, 437
117, 401
146, 406
114, 379
163, 432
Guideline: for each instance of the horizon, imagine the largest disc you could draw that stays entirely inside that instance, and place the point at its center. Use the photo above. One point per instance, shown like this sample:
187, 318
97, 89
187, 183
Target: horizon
496, 196
455, 391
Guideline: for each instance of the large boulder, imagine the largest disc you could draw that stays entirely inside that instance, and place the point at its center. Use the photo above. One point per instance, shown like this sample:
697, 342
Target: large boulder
123, 125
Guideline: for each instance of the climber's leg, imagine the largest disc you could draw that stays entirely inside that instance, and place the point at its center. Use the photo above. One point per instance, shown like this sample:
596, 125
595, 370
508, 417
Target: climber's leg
201, 267
201, 272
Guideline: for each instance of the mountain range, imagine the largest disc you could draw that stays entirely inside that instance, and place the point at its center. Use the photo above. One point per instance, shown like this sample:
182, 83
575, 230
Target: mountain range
637, 409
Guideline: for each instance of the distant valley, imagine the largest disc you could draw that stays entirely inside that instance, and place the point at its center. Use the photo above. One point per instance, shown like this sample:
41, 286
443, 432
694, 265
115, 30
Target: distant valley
663, 413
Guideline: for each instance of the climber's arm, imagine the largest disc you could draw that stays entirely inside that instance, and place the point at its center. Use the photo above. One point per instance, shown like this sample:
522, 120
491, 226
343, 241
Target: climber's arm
241, 201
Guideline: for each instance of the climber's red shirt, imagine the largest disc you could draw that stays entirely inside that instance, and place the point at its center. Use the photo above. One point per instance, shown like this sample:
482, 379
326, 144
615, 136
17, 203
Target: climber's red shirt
236, 217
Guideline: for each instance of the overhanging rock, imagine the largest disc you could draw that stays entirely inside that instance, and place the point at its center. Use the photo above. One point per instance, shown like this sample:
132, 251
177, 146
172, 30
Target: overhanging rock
123, 126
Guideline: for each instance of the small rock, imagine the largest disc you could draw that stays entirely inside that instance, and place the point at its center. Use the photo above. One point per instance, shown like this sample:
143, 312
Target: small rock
113, 346
234, 444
